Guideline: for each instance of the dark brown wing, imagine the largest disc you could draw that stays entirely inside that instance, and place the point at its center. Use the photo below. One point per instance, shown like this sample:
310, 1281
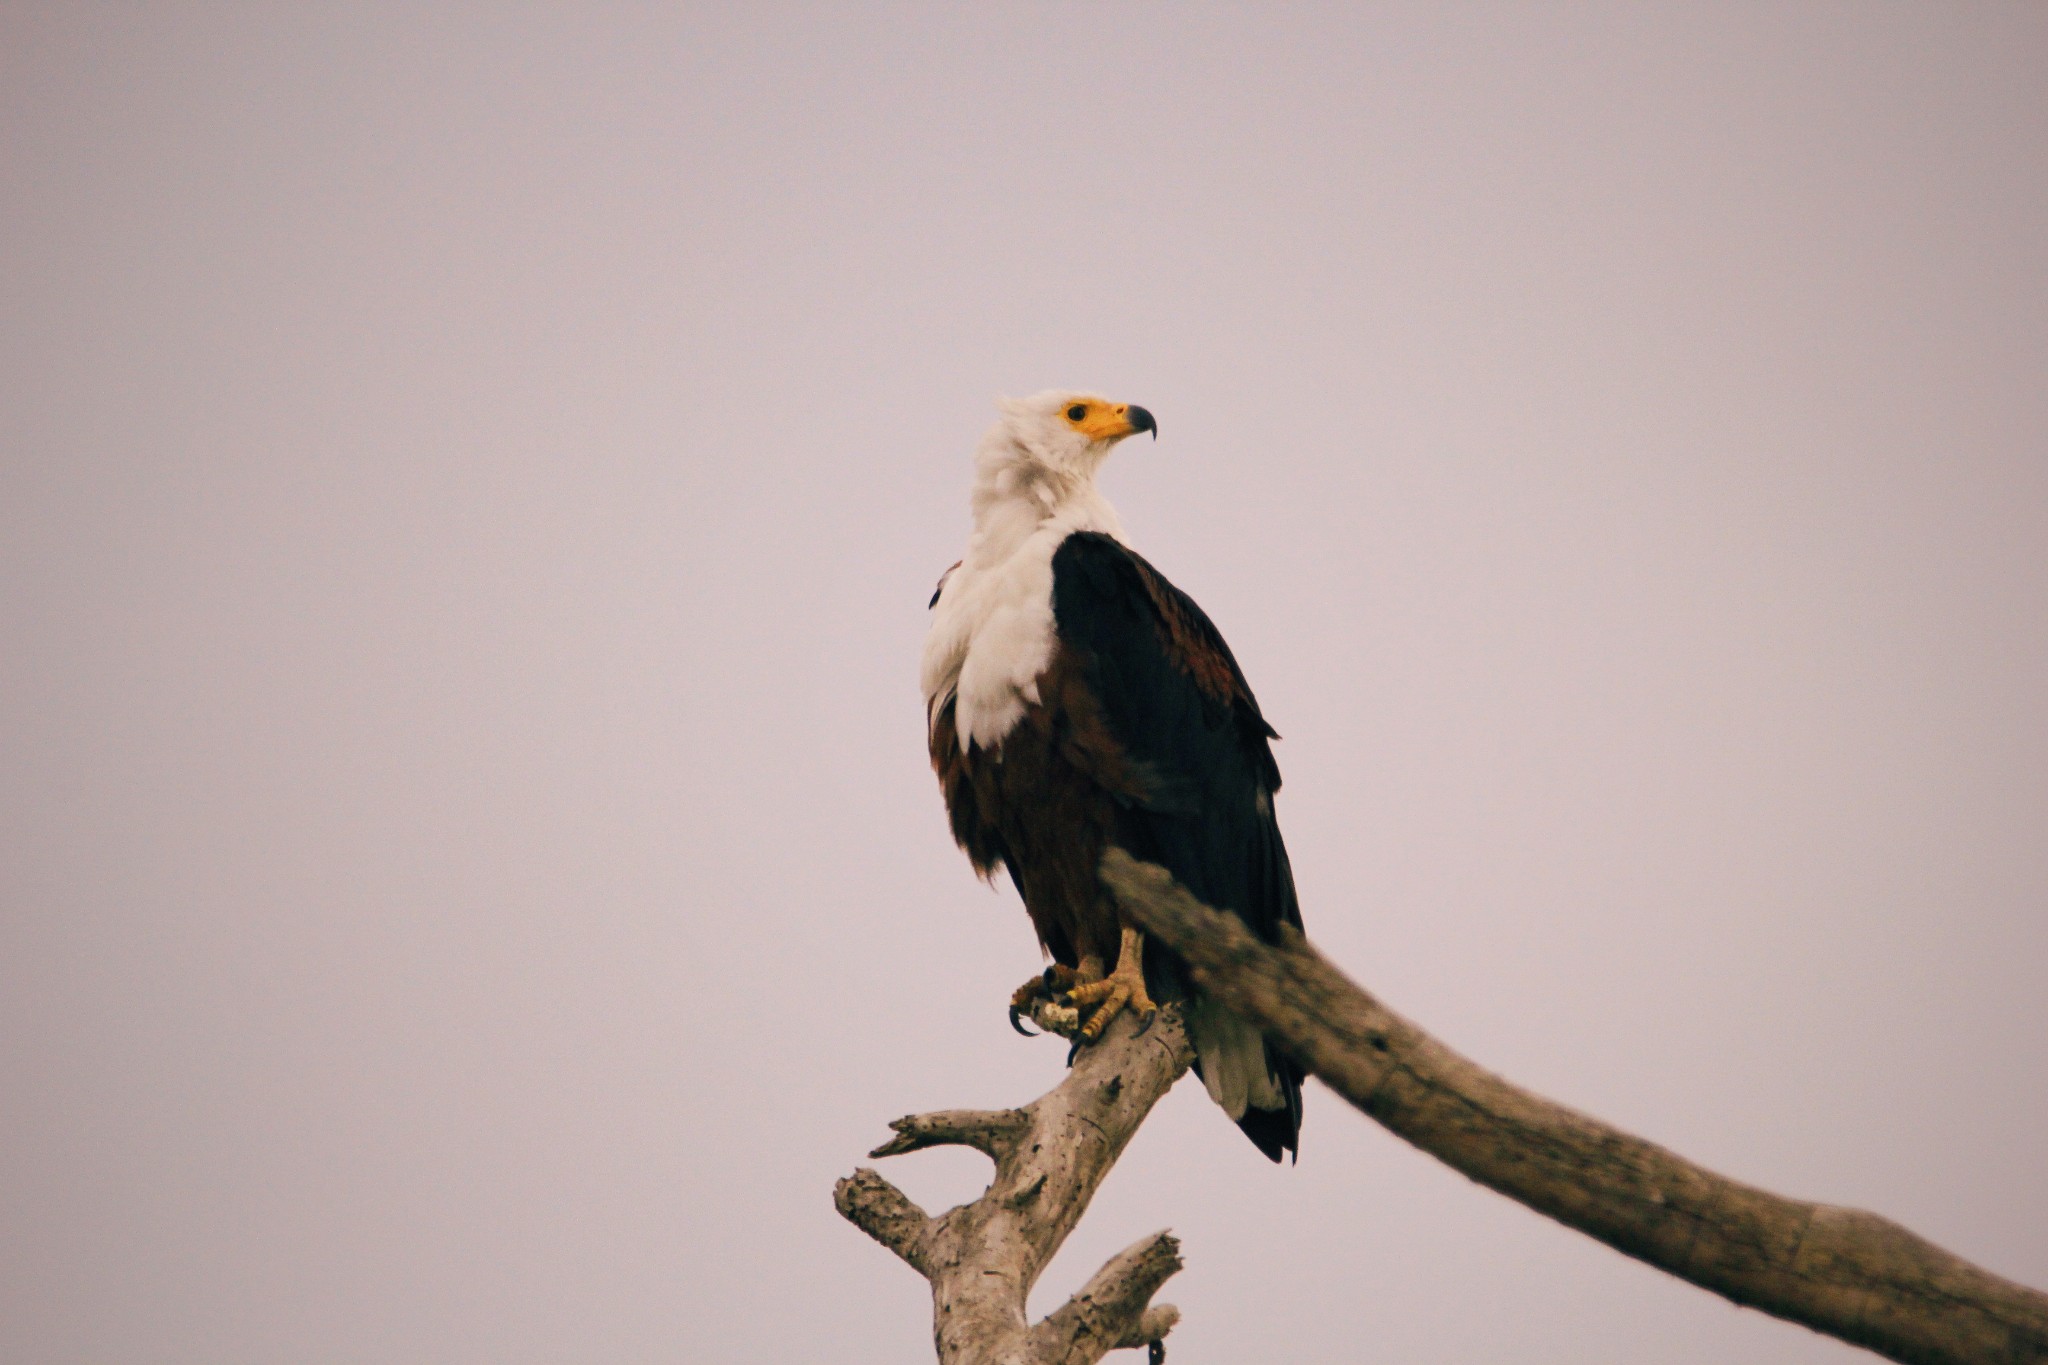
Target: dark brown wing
1176, 700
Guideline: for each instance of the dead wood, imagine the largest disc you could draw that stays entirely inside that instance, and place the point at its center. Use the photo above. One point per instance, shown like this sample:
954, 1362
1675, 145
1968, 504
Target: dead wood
1050, 1157
1841, 1271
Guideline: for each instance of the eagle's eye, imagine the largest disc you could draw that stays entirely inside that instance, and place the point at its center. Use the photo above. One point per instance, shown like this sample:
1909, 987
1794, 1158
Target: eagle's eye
1077, 412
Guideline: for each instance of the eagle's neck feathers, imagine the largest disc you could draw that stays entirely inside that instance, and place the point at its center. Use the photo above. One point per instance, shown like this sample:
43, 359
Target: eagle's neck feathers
992, 629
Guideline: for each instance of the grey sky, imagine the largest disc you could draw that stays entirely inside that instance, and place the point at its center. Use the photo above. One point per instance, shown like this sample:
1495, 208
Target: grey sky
470, 480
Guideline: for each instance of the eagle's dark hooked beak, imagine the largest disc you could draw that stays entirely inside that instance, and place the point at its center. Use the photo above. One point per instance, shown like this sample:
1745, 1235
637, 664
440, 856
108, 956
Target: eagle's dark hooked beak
1141, 420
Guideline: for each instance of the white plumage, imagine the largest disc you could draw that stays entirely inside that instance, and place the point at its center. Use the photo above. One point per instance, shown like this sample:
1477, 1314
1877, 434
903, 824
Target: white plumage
992, 627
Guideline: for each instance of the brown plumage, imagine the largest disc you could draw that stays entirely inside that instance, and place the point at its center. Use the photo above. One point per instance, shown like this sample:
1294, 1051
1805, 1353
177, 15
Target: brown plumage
1043, 805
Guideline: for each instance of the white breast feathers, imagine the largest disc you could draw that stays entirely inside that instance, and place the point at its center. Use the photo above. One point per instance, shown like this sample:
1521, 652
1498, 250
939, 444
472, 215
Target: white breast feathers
992, 629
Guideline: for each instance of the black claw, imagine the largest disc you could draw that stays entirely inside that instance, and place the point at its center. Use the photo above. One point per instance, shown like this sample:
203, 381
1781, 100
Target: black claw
1146, 1023
1074, 1051
1017, 1023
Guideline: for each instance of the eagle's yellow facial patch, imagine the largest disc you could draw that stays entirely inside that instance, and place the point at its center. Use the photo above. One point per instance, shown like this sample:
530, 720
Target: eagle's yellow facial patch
1099, 419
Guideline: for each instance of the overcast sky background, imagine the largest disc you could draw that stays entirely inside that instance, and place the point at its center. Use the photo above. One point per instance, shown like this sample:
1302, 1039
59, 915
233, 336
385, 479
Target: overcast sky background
472, 480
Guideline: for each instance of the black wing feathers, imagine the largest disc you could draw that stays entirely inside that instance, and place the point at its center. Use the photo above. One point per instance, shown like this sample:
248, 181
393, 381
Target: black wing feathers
1177, 701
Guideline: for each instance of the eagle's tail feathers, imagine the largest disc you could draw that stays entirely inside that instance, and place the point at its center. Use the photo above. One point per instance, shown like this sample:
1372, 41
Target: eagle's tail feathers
1260, 1092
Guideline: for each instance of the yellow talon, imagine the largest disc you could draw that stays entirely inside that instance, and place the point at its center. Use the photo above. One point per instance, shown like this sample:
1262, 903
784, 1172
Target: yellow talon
1122, 989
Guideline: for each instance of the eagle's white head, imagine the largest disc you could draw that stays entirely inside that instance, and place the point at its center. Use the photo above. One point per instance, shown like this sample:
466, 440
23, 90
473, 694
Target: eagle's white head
1040, 457
1065, 432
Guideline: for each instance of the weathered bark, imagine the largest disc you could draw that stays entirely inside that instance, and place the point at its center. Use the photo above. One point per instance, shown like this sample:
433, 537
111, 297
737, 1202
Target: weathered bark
1051, 1156
1850, 1274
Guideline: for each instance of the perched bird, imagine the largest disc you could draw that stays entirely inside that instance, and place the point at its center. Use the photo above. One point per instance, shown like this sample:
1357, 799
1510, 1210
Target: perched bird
1078, 702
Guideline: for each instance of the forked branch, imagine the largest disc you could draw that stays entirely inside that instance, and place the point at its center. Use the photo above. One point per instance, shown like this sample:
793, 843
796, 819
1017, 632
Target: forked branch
1050, 1157
1850, 1274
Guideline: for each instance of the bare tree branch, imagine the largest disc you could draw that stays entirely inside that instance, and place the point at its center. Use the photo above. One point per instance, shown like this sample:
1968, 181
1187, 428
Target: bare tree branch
1050, 1156
1850, 1274
1101, 1315
989, 1131
886, 1214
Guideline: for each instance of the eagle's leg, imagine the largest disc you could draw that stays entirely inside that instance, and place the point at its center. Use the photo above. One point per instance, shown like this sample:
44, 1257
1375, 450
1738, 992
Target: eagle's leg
1122, 989
1044, 988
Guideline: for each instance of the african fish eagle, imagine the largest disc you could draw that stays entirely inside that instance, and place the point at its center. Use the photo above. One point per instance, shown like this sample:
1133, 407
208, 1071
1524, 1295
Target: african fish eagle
1078, 702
